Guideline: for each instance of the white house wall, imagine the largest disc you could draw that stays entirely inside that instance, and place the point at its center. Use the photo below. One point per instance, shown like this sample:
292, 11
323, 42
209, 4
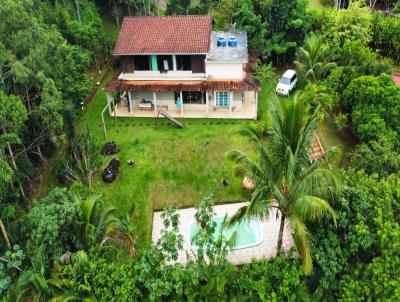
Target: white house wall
226, 70
168, 98
237, 100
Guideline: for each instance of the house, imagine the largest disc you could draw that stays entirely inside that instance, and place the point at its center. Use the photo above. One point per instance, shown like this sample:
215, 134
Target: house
177, 64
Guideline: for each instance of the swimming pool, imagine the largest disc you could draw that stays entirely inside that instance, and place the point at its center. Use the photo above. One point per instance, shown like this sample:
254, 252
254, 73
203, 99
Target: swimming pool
249, 233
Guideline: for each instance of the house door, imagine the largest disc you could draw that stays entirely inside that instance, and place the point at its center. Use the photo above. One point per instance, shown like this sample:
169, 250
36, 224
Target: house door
222, 99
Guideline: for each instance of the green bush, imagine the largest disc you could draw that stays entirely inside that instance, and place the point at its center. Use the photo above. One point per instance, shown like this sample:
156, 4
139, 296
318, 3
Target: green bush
374, 103
386, 36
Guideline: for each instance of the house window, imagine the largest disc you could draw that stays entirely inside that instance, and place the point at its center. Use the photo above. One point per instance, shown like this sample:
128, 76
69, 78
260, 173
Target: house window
141, 62
192, 97
183, 62
164, 63
222, 98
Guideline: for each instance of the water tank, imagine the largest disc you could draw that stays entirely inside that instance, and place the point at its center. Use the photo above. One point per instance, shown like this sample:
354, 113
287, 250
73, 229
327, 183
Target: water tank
221, 42
232, 41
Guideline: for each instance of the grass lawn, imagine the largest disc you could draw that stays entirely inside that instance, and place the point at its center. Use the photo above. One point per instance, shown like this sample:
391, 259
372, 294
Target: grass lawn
330, 137
173, 166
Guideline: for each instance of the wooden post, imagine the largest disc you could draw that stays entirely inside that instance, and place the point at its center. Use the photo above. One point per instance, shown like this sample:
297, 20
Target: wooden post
115, 109
155, 101
110, 100
109, 97
180, 95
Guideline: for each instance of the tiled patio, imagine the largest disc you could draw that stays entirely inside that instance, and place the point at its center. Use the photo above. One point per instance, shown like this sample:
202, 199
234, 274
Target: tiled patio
266, 249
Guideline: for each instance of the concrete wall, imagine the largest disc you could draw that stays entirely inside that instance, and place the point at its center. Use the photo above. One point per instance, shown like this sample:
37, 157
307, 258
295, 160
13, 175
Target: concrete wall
237, 101
224, 70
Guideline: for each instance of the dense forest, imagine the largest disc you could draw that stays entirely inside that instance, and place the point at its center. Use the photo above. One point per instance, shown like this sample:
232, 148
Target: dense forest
69, 245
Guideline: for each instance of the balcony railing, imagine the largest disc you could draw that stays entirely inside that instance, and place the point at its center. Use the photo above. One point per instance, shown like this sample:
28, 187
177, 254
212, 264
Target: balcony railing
148, 75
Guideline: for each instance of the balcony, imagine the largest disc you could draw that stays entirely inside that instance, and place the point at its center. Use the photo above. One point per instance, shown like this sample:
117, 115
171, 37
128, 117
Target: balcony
173, 75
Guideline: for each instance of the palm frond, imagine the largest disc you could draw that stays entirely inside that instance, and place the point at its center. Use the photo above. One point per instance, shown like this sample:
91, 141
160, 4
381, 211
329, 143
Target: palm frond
238, 216
302, 240
312, 208
245, 166
319, 182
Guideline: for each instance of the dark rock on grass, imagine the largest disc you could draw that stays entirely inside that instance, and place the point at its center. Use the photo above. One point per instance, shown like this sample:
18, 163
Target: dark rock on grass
110, 148
111, 171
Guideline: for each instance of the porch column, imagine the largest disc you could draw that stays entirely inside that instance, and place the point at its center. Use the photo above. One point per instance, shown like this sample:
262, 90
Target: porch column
130, 101
207, 103
154, 63
180, 95
155, 101
174, 66
230, 102
256, 109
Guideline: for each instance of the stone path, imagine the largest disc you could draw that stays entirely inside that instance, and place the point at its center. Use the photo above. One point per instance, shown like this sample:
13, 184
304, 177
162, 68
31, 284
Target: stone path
266, 249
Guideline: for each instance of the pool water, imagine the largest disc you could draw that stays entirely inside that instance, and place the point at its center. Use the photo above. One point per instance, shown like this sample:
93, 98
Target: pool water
249, 233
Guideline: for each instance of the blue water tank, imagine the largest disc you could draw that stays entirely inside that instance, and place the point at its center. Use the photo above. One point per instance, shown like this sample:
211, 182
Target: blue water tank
221, 42
232, 41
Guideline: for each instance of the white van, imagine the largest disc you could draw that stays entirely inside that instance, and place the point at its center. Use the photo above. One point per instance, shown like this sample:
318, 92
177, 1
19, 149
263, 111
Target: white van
287, 82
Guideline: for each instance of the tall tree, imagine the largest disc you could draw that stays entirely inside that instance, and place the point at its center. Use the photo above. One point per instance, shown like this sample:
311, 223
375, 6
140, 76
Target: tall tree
83, 158
284, 177
12, 118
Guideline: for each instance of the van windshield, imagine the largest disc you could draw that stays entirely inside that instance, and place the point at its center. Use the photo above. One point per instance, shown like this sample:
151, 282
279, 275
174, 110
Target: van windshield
285, 81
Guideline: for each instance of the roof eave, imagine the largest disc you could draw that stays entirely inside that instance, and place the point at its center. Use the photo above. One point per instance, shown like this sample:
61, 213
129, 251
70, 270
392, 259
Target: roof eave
158, 53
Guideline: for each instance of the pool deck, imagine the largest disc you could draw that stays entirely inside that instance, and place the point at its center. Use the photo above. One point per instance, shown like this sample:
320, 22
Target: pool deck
267, 249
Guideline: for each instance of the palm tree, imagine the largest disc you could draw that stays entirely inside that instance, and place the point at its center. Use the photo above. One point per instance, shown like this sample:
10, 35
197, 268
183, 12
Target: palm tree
120, 232
285, 179
95, 219
311, 59
99, 225
31, 285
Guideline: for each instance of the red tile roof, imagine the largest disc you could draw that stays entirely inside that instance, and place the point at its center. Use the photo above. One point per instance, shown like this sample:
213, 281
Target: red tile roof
162, 86
164, 35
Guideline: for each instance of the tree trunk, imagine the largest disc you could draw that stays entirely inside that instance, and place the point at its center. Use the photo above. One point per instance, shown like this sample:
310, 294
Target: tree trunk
78, 12
15, 167
280, 235
5, 235
12, 156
